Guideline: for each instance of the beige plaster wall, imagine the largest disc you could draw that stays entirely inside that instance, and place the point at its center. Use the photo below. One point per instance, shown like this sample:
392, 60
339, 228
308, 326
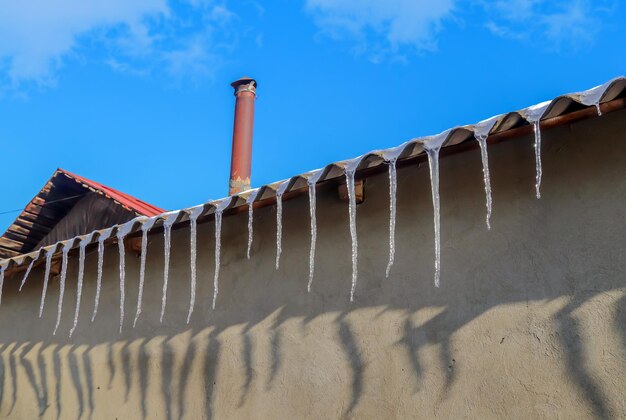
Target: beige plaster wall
529, 322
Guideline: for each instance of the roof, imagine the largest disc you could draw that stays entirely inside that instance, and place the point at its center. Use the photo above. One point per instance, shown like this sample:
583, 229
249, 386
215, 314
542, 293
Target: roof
58, 196
608, 97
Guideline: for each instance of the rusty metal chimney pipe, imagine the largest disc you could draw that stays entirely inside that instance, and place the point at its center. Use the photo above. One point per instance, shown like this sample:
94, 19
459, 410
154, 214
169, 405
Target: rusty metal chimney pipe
241, 158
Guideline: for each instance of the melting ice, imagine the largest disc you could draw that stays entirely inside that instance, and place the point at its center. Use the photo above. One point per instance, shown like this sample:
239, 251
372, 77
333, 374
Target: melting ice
312, 182
81, 273
279, 219
122, 231
393, 187
103, 236
432, 147
533, 115
66, 249
193, 222
350, 170
481, 132
167, 233
46, 278
28, 270
146, 225
219, 209
3, 267
250, 202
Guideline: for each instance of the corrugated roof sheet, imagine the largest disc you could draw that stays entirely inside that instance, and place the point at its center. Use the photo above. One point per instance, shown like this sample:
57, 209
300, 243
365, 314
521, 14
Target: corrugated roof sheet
62, 191
493, 127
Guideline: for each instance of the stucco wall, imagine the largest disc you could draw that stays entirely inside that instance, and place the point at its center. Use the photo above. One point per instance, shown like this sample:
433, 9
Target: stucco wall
529, 322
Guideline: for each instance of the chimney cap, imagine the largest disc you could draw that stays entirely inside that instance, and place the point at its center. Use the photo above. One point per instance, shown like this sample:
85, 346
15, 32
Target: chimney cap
244, 81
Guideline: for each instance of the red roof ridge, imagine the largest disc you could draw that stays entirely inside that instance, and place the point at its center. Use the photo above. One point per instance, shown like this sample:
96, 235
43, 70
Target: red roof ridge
140, 207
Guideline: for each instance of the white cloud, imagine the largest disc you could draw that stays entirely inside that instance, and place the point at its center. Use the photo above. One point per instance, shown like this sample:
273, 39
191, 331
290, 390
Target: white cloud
137, 36
551, 23
382, 27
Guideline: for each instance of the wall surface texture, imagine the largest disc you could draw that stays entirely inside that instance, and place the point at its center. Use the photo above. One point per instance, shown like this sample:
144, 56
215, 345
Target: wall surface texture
529, 321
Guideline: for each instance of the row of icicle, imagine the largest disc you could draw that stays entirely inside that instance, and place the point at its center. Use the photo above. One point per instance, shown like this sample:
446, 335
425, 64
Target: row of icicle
432, 147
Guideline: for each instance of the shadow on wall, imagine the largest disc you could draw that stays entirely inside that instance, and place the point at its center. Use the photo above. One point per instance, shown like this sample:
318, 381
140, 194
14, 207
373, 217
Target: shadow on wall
268, 336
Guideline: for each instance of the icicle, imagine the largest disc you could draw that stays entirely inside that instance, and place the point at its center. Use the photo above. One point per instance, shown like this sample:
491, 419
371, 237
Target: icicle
350, 171
482, 141
122, 231
537, 130
279, 220
193, 221
393, 187
2, 268
30, 267
533, 115
481, 132
167, 233
219, 208
46, 277
432, 147
103, 236
218, 246
66, 249
312, 182
592, 97
79, 286
146, 225
250, 202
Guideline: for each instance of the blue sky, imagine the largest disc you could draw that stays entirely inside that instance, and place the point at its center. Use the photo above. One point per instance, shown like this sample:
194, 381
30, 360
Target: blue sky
136, 94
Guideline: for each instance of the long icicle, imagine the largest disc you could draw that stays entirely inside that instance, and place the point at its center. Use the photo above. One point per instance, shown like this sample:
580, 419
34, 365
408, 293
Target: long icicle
167, 233
250, 228
433, 163
313, 213
279, 220
352, 213
220, 206
193, 221
101, 240
146, 225
122, 231
250, 202
46, 278
66, 249
218, 250
393, 187
482, 141
2, 268
142, 270
122, 252
537, 130
28, 270
79, 286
